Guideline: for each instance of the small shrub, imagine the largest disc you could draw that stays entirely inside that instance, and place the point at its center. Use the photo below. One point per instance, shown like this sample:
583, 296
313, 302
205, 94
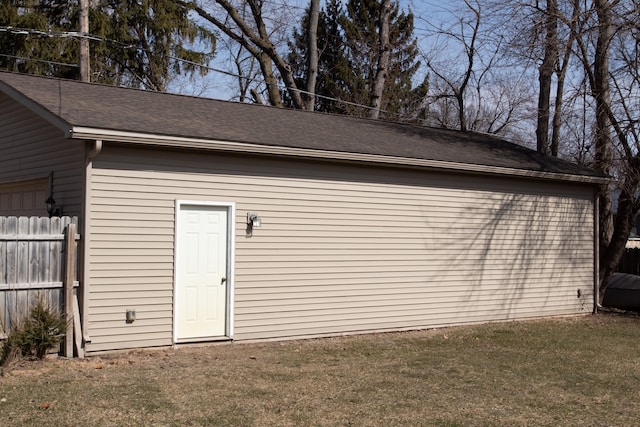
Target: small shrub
39, 332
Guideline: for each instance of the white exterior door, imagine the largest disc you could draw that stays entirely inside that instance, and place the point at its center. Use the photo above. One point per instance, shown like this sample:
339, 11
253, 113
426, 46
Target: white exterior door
201, 272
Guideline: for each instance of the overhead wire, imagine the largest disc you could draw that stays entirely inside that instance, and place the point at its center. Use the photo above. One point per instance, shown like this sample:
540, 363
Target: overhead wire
76, 34
64, 64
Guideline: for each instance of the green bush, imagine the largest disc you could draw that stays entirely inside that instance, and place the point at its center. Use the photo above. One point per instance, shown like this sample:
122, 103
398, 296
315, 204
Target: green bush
39, 332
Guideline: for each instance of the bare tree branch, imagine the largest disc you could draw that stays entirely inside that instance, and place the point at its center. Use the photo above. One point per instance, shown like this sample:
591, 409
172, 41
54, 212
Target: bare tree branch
259, 44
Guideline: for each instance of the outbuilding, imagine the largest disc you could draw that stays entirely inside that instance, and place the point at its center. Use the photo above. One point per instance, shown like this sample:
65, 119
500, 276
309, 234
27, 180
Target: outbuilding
216, 220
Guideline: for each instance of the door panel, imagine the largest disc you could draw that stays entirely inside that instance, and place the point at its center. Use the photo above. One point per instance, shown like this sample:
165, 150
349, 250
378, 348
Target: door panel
201, 288
25, 198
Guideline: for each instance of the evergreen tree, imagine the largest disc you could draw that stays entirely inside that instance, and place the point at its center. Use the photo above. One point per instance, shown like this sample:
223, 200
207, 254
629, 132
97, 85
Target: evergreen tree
360, 24
17, 45
349, 46
136, 46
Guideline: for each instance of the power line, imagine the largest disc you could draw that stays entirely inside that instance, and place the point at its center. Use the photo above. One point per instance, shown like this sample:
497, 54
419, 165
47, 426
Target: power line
76, 34
63, 64
47, 33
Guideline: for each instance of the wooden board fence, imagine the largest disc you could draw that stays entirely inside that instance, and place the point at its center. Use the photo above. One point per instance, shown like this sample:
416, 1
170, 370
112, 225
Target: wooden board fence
32, 265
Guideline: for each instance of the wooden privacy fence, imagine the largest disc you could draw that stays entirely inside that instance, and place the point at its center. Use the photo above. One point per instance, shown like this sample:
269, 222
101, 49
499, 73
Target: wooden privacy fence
38, 259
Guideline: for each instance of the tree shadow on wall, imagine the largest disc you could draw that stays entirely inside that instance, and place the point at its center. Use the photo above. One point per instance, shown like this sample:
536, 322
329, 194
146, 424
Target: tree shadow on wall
517, 255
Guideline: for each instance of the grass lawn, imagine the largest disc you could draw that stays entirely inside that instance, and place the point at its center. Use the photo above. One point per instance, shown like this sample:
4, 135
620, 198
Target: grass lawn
582, 371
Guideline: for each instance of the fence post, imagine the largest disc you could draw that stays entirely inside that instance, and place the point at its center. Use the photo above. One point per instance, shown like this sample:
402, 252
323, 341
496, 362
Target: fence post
69, 277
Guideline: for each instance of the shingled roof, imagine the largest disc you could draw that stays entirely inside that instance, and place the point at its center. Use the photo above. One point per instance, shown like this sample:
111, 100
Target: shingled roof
114, 113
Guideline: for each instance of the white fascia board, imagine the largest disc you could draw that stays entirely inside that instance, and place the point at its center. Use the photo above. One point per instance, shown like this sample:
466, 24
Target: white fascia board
242, 147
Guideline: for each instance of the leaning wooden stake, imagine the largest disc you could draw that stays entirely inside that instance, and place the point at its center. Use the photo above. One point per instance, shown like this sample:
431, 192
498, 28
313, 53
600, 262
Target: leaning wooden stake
77, 329
69, 277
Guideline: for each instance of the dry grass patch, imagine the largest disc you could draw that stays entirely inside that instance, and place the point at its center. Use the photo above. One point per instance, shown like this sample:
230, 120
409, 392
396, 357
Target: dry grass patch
578, 371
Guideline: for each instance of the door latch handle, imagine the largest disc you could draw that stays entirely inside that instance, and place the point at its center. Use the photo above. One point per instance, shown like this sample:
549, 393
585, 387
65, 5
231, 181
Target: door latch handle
223, 281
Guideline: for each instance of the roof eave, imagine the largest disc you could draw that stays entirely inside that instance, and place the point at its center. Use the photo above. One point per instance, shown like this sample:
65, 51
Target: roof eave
79, 132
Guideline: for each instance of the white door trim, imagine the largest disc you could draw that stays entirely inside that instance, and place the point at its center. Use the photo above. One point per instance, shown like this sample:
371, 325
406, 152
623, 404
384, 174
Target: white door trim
231, 250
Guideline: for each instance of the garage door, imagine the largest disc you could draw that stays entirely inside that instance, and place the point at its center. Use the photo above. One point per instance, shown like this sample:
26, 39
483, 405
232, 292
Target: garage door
24, 198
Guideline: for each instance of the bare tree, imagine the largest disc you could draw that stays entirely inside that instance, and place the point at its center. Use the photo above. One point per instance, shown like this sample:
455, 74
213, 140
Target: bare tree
615, 91
480, 93
502, 105
560, 29
250, 31
599, 112
456, 86
572, 28
244, 67
546, 71
540, 35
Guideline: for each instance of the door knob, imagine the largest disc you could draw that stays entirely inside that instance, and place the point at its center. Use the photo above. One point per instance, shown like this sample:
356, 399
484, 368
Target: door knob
223, 280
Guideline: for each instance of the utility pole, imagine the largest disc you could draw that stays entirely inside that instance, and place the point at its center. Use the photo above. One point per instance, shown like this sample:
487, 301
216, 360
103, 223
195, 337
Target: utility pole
83, 57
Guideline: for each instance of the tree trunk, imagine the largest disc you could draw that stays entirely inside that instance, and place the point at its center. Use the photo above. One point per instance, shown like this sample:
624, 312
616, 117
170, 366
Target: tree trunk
546, 74
312, 48
623, 222
557, 119
384, 57
471, 55
462, 116
609, 249
270, 79
562, 74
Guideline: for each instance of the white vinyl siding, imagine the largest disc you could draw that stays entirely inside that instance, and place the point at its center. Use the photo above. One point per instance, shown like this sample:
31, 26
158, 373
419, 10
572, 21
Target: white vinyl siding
31, 149
341, 248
